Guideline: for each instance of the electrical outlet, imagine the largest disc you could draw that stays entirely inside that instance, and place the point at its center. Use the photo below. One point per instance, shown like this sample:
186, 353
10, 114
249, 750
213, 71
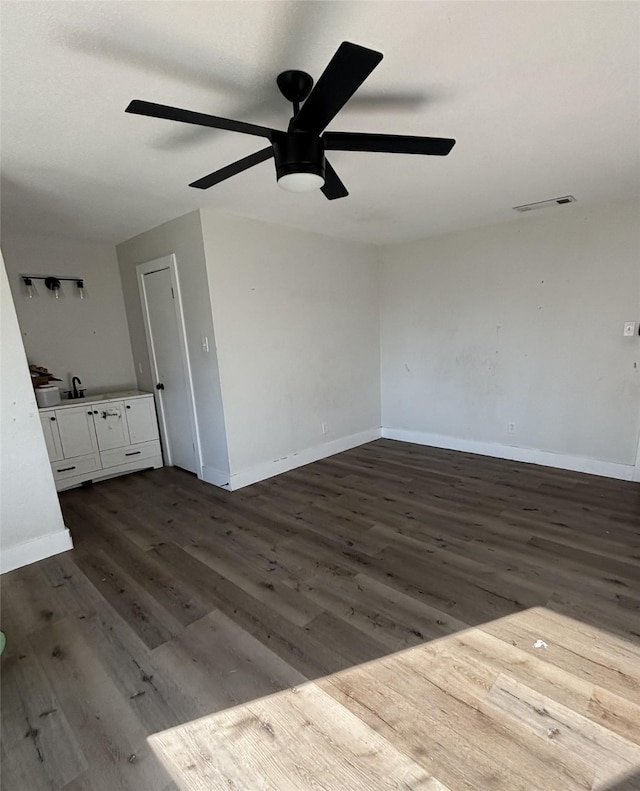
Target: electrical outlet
325, 428
511, 427
629, 329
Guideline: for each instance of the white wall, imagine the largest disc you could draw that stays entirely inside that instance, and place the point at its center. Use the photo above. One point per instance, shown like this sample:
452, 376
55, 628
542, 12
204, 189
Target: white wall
72, 337
521, 323
182, 236
297, 327
31, 526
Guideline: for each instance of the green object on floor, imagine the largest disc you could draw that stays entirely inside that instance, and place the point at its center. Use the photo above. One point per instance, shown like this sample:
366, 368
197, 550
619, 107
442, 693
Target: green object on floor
3, 642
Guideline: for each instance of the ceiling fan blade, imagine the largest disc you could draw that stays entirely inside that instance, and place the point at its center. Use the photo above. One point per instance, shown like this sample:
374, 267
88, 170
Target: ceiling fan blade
345, 73
392, 144
333, 187
139, 107
231, 170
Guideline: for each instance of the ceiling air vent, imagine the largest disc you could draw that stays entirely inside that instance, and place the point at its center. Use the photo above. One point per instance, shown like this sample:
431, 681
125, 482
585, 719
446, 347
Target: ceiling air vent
542, 204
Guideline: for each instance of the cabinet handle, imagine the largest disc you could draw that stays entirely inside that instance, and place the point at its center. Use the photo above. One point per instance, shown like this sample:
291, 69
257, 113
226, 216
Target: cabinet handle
95, 411
52, 418
66, 469
135, 453
89, 412
128, 406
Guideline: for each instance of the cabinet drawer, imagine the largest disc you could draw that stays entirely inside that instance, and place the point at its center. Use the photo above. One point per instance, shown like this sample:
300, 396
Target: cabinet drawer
69, 468
132, 453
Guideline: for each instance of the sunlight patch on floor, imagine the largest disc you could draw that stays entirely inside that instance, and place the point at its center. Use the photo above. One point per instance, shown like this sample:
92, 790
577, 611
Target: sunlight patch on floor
481, 709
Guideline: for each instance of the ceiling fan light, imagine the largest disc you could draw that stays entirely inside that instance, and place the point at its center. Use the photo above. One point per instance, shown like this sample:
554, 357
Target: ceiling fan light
300, 182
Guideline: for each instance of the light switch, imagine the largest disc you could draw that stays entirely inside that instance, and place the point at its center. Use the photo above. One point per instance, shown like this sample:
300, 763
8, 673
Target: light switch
629, 329
205, 343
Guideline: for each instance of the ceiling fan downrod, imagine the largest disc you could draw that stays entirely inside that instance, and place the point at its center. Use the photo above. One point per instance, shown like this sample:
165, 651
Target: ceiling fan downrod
295, 86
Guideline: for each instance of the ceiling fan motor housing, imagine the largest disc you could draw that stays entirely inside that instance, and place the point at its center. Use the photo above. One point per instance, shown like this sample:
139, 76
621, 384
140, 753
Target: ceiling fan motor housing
298, 152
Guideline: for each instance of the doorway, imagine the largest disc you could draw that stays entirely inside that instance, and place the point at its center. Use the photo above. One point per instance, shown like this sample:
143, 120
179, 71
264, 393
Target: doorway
169, 358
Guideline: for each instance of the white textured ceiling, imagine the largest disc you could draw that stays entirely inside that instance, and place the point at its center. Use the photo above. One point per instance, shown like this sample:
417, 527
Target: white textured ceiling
542, 97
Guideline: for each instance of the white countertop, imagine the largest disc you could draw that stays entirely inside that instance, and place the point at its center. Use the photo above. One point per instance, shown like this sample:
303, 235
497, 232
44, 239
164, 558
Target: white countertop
92, 399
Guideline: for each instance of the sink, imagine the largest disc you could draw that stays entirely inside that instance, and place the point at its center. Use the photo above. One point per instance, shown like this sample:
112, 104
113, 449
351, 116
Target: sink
91, 397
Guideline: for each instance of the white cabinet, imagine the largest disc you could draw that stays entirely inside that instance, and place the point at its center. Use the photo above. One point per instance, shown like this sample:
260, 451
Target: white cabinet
141, 419
51, 436
77, 431
111, 425
101, 438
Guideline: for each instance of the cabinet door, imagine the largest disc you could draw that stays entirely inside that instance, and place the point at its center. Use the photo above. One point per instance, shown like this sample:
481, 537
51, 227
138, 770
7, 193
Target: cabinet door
51, 435
77, 433
111, 425
141, 419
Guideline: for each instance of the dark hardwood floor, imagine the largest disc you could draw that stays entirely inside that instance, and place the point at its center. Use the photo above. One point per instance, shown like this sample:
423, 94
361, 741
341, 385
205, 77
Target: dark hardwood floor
409, 584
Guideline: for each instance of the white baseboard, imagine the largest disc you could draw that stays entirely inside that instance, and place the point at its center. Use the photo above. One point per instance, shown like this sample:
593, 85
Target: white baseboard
608, 469
214, 476
270, 468
37, 549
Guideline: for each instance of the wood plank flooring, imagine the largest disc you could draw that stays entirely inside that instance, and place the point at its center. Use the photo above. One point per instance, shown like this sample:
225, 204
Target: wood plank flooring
365, 622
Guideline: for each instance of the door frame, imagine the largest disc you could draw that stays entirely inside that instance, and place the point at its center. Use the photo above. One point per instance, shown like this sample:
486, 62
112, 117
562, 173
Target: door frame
156, 265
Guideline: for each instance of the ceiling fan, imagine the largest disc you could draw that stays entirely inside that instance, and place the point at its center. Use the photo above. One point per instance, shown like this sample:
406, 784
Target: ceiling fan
299, 152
